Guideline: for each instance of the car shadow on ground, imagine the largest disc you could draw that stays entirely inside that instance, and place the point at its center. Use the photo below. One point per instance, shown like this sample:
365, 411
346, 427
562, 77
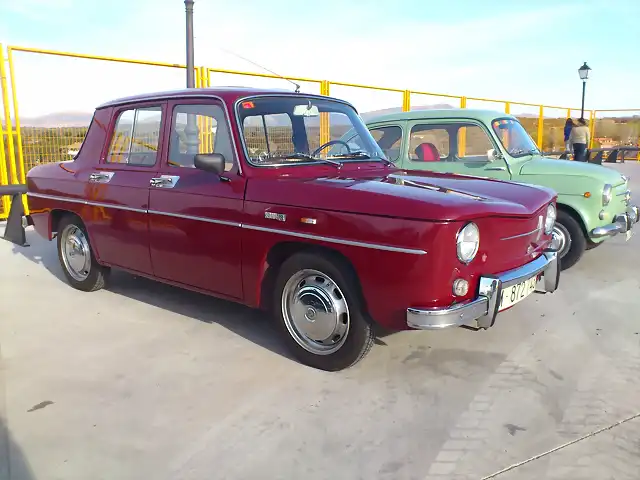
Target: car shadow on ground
254, 325
13, 464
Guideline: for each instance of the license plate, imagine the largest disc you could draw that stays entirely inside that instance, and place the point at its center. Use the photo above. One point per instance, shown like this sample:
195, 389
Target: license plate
515, 293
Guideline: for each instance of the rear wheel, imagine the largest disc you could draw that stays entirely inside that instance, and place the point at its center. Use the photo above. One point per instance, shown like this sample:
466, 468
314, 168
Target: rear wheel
76, 256
318, 310
569, 239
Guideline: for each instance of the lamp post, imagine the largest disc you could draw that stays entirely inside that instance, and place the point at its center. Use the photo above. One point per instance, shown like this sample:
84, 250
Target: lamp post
583, 71
188, 8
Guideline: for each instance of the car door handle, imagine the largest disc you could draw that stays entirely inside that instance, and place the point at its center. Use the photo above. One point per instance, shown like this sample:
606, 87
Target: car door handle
165, 181
101, 177
495, 169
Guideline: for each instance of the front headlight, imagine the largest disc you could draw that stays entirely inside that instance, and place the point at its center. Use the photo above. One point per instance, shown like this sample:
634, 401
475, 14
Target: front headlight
468, 242
607, 191
550, 220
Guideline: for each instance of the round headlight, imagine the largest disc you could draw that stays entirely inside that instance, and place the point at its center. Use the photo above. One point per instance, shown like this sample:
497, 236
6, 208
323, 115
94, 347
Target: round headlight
550, 220
468, 241
606, 194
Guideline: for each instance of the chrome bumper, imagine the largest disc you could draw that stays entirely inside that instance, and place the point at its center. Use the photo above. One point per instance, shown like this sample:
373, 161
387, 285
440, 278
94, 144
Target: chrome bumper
621, 223
482, 311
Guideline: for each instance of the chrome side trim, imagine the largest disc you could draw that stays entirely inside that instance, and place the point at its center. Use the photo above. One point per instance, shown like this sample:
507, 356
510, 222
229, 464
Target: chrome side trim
198, 219
521, 234
289, 233
86, 202
340, 241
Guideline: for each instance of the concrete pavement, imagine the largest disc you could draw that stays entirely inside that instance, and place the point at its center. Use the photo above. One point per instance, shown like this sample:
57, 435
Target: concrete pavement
143, 380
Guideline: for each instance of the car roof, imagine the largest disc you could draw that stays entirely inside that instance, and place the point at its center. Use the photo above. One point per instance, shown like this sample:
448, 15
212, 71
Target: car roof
480, 114
229, 94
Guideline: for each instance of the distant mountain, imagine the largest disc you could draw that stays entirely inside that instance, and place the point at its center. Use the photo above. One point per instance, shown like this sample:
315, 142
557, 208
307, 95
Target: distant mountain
58, 119
386, 111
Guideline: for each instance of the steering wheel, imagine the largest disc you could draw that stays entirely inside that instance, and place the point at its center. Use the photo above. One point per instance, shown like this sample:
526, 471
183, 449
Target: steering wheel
329, 143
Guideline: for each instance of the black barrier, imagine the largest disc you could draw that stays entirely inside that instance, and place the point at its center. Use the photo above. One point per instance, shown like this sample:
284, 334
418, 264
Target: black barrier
14, 232
616, 154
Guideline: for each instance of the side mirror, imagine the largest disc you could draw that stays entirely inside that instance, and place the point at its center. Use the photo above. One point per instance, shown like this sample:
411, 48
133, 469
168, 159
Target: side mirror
210, 162
493, 155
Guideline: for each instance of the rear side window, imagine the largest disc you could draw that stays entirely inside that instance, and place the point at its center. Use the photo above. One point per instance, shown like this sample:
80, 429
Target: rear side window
136, 137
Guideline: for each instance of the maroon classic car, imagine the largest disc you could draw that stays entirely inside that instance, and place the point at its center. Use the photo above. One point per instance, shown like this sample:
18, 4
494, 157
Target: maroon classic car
231, 192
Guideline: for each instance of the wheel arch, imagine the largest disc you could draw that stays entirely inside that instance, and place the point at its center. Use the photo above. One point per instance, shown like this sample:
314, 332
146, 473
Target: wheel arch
55, 217
573, 212
281, 251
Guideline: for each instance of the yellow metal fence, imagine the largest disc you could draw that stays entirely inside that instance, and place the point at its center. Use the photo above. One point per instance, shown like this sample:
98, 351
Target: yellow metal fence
24, 146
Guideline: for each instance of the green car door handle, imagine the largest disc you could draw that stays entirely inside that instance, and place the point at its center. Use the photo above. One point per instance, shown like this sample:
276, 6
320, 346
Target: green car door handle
496, 169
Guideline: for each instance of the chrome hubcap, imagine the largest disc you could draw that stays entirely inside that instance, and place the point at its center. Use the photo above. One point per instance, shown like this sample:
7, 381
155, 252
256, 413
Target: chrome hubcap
76, 254
561, 240
315, 312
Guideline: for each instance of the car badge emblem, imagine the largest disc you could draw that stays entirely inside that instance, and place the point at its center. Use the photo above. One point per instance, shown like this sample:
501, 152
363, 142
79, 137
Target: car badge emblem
281, 217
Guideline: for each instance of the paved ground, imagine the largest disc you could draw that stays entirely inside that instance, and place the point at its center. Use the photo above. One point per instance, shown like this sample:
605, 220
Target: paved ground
145, 381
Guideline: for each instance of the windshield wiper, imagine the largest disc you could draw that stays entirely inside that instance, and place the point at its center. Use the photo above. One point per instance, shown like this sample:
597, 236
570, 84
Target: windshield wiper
352, 155
304, 156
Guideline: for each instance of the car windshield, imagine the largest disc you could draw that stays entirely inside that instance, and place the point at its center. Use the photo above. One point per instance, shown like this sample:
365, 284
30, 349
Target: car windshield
295, 129
514, 137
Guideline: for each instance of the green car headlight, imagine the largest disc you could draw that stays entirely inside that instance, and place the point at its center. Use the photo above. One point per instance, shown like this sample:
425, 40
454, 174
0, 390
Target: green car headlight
607, 192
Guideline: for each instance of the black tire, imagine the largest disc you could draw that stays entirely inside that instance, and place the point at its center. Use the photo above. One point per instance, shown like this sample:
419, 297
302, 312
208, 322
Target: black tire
577, 243
96, 274
359, 338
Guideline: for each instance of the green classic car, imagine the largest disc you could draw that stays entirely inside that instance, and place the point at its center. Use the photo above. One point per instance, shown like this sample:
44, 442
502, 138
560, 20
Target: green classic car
593, 201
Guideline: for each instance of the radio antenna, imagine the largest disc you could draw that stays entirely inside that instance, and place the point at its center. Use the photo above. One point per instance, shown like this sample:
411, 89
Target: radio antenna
264, 68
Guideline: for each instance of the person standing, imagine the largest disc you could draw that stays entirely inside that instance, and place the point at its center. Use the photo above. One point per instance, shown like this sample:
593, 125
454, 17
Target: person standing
579, 140
568, 126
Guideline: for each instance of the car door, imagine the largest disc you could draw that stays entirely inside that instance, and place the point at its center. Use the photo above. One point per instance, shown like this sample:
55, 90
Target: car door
454, 146
118, 187
194, 215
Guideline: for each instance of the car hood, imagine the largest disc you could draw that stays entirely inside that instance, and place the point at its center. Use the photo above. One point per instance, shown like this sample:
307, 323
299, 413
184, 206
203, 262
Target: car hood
551, 166
412, 195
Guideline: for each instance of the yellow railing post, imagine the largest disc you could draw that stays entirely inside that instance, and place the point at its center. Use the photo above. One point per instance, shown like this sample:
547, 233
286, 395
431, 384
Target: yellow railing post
462, 135
592, 127
406, 101
325, 128
4, 180
568, 113
18, 130
13, 175
541, 127
507, 108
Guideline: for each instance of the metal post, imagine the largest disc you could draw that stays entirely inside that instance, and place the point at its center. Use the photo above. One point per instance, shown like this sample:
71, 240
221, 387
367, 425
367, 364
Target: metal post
584, 86
188, 8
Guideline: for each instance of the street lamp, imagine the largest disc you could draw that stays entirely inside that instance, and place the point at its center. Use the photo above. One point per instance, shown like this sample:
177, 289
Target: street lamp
188, 8
583, 71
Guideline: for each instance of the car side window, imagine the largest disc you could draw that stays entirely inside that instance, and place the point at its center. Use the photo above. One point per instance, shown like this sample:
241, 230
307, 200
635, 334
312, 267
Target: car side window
389, 139
199, 128
473, 143
136, 137
429, 143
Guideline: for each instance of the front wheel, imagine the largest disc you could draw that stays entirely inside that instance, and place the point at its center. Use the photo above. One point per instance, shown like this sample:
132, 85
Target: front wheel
318, 310
76, 256
568, 239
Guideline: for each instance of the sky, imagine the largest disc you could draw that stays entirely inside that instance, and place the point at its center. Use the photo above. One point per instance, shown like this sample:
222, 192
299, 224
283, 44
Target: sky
527, 50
